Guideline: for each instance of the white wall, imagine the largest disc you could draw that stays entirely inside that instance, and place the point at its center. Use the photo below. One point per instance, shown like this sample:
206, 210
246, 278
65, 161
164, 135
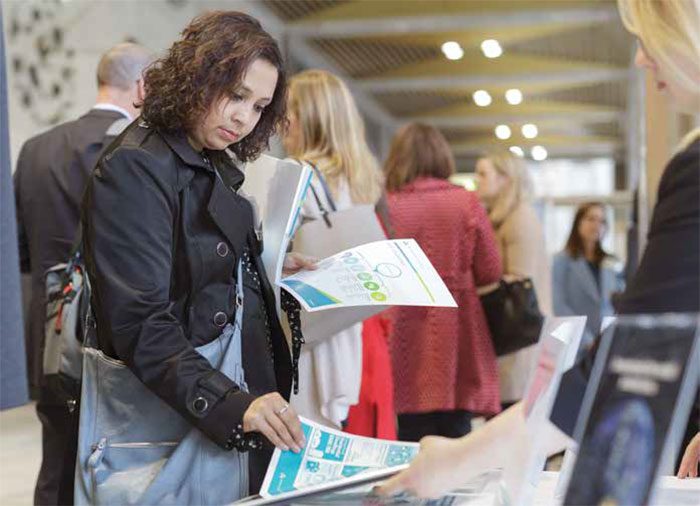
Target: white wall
91, 27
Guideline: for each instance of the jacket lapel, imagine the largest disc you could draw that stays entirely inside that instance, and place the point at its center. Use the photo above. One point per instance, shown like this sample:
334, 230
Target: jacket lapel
588, 282
230, 214
608, 280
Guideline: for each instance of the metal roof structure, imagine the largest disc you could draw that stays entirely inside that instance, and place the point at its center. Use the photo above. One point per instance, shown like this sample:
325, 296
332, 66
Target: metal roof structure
570, 59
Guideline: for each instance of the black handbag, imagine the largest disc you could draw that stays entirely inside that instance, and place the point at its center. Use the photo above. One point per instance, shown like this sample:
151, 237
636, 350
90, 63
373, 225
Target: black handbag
513, 315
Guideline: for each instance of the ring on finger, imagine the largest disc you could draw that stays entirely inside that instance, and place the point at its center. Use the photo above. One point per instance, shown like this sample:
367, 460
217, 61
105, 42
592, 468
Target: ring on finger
283, 410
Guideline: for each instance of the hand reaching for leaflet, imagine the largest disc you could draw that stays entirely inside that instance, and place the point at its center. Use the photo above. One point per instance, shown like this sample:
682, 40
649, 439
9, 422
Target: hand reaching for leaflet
276, 420
435, 471
294, 262
691, 458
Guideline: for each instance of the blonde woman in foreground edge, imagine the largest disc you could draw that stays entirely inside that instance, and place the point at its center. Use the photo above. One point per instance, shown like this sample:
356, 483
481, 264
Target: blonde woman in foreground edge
668, 278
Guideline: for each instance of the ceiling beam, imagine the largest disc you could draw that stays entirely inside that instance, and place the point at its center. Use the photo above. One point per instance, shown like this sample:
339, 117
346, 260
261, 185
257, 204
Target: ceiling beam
399, 25
578, 149
567, 77
487, 120
312, 58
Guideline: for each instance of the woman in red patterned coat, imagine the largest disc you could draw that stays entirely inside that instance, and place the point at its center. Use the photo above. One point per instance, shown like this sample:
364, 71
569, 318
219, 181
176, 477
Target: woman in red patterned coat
444, 365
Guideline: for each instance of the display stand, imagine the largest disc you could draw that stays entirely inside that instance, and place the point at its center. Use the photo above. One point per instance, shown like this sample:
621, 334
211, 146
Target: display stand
640, 393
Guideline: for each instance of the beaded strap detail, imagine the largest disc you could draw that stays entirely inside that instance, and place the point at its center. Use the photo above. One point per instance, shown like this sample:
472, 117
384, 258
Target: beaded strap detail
292, 307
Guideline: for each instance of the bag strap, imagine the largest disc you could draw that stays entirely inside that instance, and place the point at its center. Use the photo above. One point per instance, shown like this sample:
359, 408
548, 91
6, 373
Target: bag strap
326, 189
292, 307
321, 207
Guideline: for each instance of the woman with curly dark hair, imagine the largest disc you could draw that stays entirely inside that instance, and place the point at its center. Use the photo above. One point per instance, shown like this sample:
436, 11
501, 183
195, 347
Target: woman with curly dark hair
179, 294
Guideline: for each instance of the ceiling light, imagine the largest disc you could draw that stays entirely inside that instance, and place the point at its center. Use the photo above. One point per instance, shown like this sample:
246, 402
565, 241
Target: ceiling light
491, 48
452, 50
529, 131
514, 96
482, 98
538, 153
503, 132
517, 151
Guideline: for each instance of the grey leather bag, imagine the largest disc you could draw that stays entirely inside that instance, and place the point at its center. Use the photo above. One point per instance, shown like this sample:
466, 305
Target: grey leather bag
135, 449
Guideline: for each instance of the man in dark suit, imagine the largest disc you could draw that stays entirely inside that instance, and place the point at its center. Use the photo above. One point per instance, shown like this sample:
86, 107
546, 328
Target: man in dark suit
52, 170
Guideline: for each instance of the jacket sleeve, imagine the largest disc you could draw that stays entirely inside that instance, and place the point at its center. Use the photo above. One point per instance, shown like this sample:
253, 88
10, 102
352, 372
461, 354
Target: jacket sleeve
487, 262
22, 241
129, 213
559, 295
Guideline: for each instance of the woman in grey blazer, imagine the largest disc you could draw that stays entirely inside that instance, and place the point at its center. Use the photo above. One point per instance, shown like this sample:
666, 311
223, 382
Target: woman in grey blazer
584, 276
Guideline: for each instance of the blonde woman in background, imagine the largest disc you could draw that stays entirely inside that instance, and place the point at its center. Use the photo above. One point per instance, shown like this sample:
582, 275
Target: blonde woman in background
668, 277
326, 132
504, 187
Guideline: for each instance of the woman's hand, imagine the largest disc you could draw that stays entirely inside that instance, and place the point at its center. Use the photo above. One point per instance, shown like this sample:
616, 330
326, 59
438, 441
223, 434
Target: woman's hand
691, 457
294, 262
435, 471
276, 420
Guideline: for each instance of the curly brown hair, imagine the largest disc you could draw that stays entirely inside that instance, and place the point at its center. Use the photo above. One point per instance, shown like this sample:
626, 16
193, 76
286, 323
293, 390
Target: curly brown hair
208, 63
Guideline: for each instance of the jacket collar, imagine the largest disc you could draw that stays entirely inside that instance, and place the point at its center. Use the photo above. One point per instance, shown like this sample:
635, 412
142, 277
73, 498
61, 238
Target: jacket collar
178, 143
206, 160
427, 184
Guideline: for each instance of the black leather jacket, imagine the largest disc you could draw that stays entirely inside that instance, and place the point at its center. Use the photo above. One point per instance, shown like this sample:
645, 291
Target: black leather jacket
162, 238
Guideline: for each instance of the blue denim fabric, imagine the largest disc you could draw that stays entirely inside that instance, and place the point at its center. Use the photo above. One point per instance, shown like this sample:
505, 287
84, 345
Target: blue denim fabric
135, 449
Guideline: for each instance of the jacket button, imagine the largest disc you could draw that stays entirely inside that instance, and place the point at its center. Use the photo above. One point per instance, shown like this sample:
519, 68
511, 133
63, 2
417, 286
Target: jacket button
222, 249
200, 404
220, 319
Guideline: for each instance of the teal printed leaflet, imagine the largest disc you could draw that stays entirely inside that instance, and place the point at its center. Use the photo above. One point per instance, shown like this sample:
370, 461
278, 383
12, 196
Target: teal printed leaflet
331, 455
395, 272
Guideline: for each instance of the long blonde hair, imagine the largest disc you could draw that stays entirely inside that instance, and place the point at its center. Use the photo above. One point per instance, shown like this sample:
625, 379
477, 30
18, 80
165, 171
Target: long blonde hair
670, 32
332, 134
518, 187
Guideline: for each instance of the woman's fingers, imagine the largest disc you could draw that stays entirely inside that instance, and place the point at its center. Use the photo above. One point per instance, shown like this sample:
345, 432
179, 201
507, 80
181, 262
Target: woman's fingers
690, 460
294, 262
270, 433
291, 419
393, 486
274, 420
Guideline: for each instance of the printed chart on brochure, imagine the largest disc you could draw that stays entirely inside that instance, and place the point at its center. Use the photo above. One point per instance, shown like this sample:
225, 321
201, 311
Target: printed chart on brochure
331, 455
393, 272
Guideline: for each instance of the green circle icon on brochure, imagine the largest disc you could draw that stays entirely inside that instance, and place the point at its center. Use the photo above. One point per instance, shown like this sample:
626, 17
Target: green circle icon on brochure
364, 276
378, 296
371, 285
350, 260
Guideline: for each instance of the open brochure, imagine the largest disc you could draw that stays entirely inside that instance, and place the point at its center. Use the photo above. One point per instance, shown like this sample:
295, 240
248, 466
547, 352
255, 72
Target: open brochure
277, 189
331, 455
381, 273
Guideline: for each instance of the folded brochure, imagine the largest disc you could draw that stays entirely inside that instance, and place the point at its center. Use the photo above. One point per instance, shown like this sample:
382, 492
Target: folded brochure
393, 272
331, 455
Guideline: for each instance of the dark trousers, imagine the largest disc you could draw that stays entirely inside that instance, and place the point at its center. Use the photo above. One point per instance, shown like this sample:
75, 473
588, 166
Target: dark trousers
413, 426
59, 445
